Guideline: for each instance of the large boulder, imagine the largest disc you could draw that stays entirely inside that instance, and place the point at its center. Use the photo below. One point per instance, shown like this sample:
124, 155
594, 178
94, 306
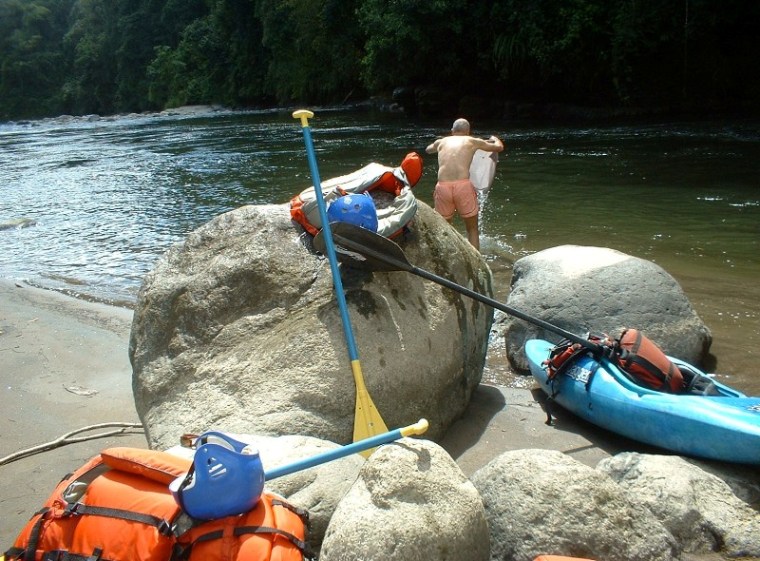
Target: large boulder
238, 329
541, 501
411, 501
700, 509
581, 289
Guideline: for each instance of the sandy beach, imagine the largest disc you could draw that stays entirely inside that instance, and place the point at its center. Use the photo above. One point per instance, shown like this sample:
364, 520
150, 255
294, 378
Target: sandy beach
64, 365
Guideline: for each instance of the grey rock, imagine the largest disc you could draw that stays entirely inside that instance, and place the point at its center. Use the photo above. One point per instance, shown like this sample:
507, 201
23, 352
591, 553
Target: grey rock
411, 502
540, 501
318, 489
238, 329
582, 289
698, 508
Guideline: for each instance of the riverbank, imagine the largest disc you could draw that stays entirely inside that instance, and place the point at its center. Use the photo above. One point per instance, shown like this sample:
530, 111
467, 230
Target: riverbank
65, 366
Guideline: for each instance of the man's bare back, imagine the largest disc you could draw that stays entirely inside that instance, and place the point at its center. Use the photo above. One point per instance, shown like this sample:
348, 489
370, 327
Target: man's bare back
455, 155
455, 152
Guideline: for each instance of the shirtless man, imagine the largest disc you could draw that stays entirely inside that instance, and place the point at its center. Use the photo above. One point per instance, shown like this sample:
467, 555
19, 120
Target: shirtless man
454, 191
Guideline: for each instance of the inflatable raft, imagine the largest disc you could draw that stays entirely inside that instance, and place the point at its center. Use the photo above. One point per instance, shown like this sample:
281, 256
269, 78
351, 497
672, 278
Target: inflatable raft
391, 189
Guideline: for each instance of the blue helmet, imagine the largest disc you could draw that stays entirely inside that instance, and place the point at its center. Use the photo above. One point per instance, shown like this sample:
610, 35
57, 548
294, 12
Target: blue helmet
226, 478
354, 209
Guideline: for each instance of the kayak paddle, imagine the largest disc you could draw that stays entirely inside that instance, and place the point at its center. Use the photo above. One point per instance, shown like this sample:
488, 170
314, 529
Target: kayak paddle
369, 250
367, 420
366, 444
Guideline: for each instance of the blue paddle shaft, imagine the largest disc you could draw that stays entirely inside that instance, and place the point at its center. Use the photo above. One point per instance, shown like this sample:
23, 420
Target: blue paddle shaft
365, 444
331, 455
353, 354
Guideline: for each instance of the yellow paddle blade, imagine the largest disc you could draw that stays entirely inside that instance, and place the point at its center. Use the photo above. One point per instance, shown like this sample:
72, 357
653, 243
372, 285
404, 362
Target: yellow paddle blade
367, 420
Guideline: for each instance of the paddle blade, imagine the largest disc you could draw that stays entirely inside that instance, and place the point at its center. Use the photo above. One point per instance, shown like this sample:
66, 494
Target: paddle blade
367, 420
363, 249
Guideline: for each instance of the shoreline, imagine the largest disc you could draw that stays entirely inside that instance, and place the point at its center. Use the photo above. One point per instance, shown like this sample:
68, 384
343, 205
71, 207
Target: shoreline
65, 366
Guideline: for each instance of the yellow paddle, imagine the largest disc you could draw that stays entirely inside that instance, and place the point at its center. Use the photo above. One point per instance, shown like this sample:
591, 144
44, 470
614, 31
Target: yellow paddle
367, 421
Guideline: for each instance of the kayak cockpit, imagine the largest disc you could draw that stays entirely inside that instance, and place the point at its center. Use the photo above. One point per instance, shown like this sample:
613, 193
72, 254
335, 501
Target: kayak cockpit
696, 382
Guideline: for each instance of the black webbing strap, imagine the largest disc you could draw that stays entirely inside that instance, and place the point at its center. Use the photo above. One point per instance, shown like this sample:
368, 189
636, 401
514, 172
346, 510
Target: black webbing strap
63, 555
629, 357
163, 526
14, 553
245, 530
554, 373
29, 553
302, 513
34, 536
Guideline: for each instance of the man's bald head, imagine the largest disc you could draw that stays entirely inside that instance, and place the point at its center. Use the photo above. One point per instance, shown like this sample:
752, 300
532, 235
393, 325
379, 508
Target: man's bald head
461, 126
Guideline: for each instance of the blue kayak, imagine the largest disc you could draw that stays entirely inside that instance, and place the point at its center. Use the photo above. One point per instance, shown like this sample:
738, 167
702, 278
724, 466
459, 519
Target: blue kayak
724, 426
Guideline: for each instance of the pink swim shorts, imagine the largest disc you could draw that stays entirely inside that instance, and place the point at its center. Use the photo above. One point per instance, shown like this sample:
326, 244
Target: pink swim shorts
459, 196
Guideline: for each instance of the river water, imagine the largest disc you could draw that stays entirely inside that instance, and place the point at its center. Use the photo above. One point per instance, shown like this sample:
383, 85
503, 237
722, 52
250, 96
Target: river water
109, 195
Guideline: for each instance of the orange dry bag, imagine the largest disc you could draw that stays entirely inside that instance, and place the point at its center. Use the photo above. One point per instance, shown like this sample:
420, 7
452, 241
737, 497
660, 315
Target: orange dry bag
273, 530
644, 361
118, 507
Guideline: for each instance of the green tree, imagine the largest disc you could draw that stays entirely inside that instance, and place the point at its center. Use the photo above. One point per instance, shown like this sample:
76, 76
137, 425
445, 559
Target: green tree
103, 56
218, 59
31, 61
313, 49
90, 47
246, 55
552, 49
416, 42
645, 52
154, 25
194, 71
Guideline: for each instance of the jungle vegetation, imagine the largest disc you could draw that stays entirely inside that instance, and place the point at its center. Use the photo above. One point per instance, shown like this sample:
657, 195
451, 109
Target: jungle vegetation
110, 56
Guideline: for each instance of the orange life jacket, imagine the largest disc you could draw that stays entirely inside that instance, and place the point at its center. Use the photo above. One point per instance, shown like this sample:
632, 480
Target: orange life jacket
273, 530
118, 507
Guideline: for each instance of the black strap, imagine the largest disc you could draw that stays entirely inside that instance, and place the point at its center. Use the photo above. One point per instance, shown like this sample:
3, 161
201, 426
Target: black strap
96, 554
629, 358
180, 494
245, 530
550, 401
34, 536
63, 555
302, 513
549, 410
592, 374
14, 553
163, 526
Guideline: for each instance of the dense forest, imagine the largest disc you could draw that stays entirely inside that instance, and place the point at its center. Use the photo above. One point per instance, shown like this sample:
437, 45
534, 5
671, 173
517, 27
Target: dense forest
111, 56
